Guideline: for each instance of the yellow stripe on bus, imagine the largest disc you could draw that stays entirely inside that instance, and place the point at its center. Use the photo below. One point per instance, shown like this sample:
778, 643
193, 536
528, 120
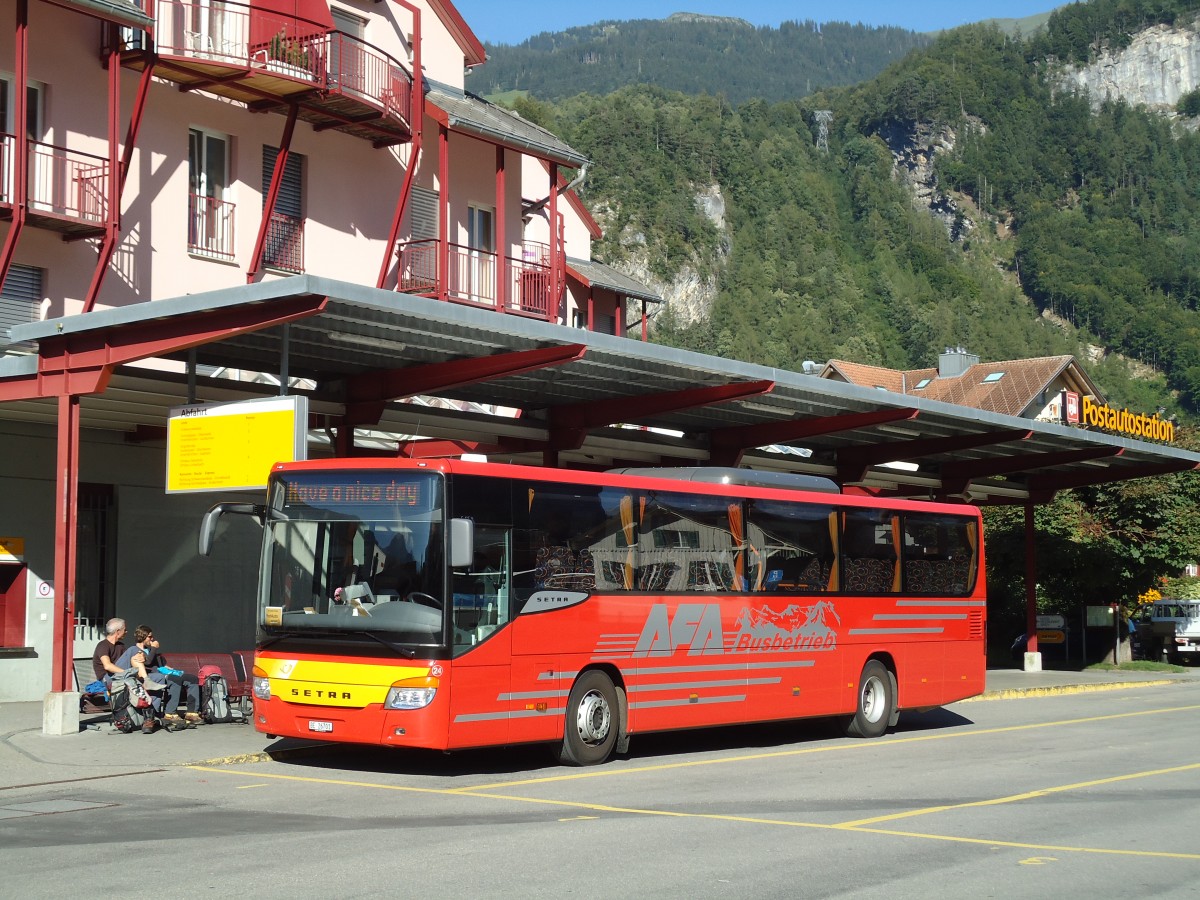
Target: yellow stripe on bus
316, 670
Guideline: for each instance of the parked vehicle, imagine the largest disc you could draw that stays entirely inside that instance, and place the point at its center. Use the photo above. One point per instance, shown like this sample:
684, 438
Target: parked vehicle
1174, 630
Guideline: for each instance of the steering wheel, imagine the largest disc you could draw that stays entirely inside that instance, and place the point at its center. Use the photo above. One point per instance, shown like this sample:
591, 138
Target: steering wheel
424, 599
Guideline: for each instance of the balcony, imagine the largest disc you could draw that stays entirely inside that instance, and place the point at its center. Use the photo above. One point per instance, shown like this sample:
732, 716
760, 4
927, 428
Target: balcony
269, 60
472, 277
67, 189
210, 227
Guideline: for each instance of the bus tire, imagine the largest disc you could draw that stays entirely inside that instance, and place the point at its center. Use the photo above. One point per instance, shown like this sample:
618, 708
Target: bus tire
593, 721
876, 702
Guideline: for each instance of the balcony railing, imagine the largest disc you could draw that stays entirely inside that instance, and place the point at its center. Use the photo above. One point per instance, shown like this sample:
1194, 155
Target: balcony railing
210, 227
216, 33
63, 183
283, 248
472, 278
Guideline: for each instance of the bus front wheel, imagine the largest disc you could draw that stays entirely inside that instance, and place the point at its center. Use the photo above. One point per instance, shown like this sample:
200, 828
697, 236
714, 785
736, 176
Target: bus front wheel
876, 702
593, 721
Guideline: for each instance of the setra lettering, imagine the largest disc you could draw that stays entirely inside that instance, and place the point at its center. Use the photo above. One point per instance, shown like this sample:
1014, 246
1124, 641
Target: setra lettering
321, 694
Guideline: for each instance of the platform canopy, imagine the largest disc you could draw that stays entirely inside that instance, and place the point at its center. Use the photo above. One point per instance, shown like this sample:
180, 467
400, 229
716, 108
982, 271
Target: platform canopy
527, 391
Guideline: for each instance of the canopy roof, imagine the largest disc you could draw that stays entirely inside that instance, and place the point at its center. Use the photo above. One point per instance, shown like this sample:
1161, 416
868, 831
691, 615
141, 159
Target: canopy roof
591, 400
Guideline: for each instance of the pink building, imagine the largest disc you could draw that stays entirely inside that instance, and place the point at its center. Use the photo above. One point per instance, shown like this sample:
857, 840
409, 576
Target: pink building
151, 149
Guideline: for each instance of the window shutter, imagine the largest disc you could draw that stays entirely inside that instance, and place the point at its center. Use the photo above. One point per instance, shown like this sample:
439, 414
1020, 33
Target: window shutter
291, 194
423, 214
21, 296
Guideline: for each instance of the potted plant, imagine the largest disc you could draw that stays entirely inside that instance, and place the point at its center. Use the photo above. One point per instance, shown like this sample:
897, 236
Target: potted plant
288, 51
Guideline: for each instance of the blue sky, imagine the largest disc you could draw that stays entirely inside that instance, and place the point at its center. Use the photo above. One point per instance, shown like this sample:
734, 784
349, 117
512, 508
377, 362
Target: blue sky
513, 21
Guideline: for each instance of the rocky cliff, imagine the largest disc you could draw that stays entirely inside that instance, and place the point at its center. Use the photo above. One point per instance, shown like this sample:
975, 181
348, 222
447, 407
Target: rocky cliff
1159, 66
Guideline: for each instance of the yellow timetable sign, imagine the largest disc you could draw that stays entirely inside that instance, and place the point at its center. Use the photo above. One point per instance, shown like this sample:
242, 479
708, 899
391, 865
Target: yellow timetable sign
232, 446
12, 549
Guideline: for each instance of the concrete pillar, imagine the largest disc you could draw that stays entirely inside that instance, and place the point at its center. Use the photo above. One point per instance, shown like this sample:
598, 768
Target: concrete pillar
60, 713
1033, 662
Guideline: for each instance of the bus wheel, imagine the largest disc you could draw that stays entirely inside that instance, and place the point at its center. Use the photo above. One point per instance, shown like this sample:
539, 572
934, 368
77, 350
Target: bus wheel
592, 721
875, 702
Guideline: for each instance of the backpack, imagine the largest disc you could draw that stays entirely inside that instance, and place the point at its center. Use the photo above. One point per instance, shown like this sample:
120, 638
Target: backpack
131, 705
214, 696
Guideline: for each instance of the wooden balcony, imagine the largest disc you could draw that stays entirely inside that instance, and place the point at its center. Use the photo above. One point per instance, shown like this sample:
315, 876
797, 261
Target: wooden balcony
67, 190
269, 61
471, 277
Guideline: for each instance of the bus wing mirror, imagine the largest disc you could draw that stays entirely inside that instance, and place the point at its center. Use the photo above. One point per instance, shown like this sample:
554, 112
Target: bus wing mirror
208, 525
462, 543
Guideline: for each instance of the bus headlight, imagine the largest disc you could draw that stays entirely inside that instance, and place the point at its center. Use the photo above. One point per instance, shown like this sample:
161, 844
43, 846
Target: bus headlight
411, 693
260, 684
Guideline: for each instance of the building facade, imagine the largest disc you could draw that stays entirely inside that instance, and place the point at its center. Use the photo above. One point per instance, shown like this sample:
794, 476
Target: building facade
151, 150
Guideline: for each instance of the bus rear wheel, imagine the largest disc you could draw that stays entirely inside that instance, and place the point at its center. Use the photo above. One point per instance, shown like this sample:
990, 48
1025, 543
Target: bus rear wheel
876, 702
593, 721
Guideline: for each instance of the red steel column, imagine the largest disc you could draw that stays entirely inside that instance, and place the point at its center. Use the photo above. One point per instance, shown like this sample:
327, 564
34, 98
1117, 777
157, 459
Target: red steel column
444, 213
65, 549
285, 146
502, 268
417, 127
1030, 582
112, 213
552, 302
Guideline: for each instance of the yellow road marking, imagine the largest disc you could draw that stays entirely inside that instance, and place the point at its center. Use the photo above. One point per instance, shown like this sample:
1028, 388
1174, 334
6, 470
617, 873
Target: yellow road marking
1015, 798
858, 826
243, 787
956, 839
827, 748
675, 814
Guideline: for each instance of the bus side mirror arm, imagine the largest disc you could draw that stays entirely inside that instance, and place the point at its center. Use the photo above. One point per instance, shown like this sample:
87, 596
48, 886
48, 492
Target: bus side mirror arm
208, 525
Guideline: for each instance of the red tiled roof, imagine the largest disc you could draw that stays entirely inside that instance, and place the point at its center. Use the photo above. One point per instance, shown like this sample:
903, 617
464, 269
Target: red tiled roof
1022, 383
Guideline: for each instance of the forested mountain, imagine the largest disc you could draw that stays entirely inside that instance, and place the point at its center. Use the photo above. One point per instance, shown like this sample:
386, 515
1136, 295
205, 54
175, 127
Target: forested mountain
694, 54
1074, 227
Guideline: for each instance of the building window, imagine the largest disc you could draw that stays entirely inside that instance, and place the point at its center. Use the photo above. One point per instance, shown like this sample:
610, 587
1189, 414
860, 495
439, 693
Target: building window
993, 378
210, 214
479, 269
33, 124
923, 383
33, 107
284, 246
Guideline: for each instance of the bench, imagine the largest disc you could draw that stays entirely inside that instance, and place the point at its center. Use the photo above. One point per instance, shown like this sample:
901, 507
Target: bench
236, 667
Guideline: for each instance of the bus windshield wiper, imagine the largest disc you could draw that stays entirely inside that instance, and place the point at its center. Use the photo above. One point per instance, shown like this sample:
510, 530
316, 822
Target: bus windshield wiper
406, 652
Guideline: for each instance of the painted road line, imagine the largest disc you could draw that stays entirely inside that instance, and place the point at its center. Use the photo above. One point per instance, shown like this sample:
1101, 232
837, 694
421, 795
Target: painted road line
1017, 798
863, 746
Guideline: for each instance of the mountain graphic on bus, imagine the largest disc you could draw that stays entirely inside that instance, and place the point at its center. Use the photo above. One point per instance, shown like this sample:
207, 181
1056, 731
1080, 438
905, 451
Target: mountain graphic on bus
796, 627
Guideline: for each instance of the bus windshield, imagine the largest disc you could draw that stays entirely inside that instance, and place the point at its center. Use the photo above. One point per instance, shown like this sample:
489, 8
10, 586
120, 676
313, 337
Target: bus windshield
355, 552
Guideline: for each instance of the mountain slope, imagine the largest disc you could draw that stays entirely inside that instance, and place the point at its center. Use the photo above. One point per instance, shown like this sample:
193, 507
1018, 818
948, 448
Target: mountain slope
694, 54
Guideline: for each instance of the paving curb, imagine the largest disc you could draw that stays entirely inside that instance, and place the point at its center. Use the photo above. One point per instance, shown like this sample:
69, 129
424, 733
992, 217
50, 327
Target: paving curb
260, 757
1061, 689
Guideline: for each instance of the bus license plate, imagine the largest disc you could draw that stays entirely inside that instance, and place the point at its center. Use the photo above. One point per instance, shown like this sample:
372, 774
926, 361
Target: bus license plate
314, 725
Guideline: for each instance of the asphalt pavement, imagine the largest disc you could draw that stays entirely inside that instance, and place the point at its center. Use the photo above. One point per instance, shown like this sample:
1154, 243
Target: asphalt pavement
29, 757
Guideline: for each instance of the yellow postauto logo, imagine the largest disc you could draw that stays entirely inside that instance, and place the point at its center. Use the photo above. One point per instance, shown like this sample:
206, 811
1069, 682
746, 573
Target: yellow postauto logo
321, 683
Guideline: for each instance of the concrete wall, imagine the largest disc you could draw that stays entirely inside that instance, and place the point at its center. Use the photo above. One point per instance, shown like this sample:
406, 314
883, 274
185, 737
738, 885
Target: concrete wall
193, 603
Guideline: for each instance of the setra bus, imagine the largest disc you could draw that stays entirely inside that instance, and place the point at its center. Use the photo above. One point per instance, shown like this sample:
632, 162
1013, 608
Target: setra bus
445, 604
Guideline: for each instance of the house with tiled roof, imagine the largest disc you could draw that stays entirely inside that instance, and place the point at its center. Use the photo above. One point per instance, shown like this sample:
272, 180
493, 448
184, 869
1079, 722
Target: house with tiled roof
1029, 388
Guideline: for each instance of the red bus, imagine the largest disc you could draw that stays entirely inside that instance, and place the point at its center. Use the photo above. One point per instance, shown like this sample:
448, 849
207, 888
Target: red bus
448, 604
